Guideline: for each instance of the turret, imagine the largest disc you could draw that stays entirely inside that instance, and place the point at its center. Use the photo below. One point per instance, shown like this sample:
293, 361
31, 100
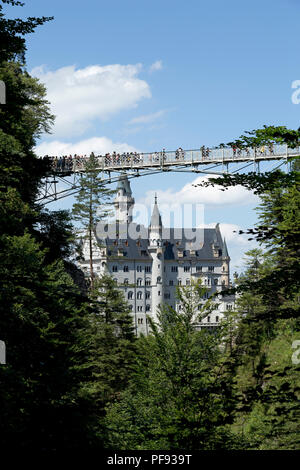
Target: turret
124, 201
156, 251
225, 265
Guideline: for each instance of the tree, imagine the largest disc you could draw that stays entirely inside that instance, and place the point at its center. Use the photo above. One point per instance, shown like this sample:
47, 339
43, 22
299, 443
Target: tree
182, 395
41, 309
90, 206
110, 345
268, 303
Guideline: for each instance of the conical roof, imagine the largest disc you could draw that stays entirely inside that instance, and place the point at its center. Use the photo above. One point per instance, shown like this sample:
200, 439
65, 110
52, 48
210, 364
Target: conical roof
156, 217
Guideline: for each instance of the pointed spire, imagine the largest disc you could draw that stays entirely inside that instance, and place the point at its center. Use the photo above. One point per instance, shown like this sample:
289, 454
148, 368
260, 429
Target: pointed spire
156, 217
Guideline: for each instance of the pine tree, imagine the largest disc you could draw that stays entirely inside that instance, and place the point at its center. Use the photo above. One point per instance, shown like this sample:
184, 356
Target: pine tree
41, 310
91, 206
182, 395
110, 345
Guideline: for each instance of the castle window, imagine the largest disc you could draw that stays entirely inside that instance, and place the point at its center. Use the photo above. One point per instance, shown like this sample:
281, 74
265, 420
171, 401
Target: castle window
208, 319
211, 268
148, 269
148, 282
129, 295
140, 308
139, 282
171, 283
186, 269
139, 269
228, 306
147, 295
158, 292
125, 269
188, 282
115, 269
216, 282
217, 319
139, 295
147, 308
167, 295
223, 268
184, 253
140, 321
179, 282
174, 269
126, 281
131, 307
198, 269
220, 252
158, 279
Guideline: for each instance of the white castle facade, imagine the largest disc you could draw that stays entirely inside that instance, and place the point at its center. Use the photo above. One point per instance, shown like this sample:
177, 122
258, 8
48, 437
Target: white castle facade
149, 263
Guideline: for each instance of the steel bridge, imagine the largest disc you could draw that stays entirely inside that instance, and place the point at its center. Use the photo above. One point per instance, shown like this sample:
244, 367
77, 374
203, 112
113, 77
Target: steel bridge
65, 172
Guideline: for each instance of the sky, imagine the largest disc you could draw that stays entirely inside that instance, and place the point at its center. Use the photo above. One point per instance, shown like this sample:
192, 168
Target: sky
146, 75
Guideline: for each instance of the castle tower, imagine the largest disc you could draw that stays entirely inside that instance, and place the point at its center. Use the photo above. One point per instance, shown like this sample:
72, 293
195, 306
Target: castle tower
225, 267
124, 201
155, 249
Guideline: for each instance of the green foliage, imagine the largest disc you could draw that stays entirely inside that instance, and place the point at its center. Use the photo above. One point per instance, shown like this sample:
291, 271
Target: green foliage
91, 206
11, 31
109, 342
182, 395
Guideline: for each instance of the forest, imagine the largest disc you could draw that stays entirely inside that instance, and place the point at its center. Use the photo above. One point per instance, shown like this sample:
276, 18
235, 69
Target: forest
76, 376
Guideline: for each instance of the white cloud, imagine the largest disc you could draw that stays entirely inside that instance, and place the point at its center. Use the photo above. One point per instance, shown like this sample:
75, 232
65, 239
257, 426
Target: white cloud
210, 196
79, 96
98, 145
156, 66
146, 118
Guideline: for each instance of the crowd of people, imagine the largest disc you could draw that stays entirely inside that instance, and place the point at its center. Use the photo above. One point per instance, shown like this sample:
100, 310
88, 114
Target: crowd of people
75, 162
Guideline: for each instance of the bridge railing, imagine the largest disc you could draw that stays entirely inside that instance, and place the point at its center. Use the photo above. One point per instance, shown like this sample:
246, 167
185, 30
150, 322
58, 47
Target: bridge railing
178, 157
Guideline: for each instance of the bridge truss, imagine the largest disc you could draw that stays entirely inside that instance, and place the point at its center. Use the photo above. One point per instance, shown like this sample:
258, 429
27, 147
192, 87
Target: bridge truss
63, 181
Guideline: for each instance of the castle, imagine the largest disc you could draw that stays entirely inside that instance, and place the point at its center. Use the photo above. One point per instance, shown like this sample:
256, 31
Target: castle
149, 263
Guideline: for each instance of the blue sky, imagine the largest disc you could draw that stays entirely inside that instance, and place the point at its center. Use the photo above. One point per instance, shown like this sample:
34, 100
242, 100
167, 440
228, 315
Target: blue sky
162, 74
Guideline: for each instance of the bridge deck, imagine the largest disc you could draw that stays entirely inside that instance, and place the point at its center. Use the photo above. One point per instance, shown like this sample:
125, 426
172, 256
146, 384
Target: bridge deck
166, 159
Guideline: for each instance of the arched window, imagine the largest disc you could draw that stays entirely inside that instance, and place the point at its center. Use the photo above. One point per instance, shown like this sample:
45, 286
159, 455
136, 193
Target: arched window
139, 282
125, 269
139, 295
147, 295
129, 295
148, 281
147, 308
188, 282
159, 279
126, 281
